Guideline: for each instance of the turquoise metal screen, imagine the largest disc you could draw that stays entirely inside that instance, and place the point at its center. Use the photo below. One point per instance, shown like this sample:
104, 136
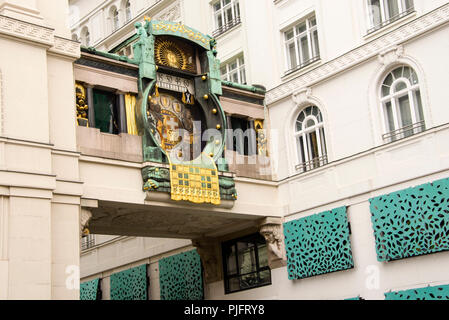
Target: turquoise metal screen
131, 284
318, 244
180, 277
89, 290
429, 293
411, 222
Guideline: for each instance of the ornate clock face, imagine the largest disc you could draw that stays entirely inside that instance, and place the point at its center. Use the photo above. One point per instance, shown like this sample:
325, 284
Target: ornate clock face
171, 122
174, 55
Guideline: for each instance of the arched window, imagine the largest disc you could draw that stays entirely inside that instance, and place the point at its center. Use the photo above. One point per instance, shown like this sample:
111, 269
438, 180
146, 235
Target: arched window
310, 139
115, 18
402, 104
128, 14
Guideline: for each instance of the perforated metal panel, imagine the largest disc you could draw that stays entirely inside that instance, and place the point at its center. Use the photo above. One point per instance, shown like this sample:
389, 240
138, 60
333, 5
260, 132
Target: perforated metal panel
131, 284
180, 277
318, 244
89, 290
429, 293
412, 222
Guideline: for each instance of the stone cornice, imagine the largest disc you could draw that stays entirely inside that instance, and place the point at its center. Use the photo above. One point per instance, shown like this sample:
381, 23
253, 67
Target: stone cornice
40, 35
371, 49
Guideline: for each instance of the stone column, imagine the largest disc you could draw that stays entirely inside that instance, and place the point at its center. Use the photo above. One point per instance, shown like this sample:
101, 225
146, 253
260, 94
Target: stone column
209, 251
122, 112
252, 138
271, 229
90, 103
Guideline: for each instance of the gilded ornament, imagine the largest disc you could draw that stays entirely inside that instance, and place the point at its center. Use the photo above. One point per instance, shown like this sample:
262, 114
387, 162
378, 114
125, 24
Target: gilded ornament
218, 127
214, 111
206, 97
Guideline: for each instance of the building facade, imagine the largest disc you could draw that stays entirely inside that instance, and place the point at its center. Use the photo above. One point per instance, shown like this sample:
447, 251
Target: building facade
336, 188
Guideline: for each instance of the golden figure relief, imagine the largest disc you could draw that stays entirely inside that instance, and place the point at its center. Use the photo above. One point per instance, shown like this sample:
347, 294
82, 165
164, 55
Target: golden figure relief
174, 55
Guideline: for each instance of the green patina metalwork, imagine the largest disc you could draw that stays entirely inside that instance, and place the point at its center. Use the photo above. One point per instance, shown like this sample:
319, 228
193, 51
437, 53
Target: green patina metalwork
412, 222
318, 244
89, 290
244, 87
108, 55
428, 293
354, 299
131, 284
180, 277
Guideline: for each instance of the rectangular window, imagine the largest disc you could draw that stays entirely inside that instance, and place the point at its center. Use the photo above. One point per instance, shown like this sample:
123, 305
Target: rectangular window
245, 264
227, 15
301, 44
383, 12
106, 112
234, 71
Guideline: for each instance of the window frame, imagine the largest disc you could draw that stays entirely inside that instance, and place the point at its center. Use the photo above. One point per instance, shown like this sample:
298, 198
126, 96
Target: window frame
240, 60
313, 44
416, 108
385, 17
255, 238
304, 150
221, 12
115, 19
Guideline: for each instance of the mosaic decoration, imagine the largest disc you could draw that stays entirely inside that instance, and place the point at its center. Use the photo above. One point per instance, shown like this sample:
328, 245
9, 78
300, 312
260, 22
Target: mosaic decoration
195, 183
89, 290
412, 222
318, 244
131, 284
429, 293
180, 277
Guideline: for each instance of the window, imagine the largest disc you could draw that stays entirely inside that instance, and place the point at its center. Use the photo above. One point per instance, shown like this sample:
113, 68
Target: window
310, 139
243, 139
301, 45
107, 117
227, 15
115, 18
401, 104
245, 264
234, 71
383, 12
128, 14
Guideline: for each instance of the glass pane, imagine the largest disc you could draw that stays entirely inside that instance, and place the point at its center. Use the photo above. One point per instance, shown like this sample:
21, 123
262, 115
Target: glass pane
414, 78
263, 255
316, 46
304, 45
219, 20
385, 91
217, 6
390, 117
301, 155
242, 76
233, 66
301, 116
389, 80
400, 86
308, 111
312, 22
314, 145
229, 17
289, 35
237, 10
392, 8
404, 108
234, 284
301, 28
231, 262
310, 123
323, 142
265, 277
292, 56
235, 77
418, 105
298, 126
408, 4
374, 12
407, 74
397, 73
247, 257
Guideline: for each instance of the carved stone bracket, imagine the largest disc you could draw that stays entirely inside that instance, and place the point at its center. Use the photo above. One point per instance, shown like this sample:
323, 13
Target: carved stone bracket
271, 229
209, 251
85, 217
301, 96
390, 55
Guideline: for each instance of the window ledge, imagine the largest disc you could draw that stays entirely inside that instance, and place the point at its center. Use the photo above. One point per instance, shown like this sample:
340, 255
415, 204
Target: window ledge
388, 27
300, 71
217, 33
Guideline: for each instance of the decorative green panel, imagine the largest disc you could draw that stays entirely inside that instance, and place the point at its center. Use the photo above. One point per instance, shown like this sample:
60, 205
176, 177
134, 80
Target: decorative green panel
180, 277
131, 284
89, 290
429, 293
412, 222
354, 299
318, 244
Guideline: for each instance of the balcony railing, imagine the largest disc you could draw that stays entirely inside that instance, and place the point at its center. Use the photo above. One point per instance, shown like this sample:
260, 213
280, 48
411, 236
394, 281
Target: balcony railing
312, 164
87, 242
227, 26
404, 132
391, 20
302, 65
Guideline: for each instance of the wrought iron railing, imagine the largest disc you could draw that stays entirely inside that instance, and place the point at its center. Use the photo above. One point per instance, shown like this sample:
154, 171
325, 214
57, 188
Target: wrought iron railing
87, 242
405, 132
303, 65
392, 19
312, 164
227, 26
